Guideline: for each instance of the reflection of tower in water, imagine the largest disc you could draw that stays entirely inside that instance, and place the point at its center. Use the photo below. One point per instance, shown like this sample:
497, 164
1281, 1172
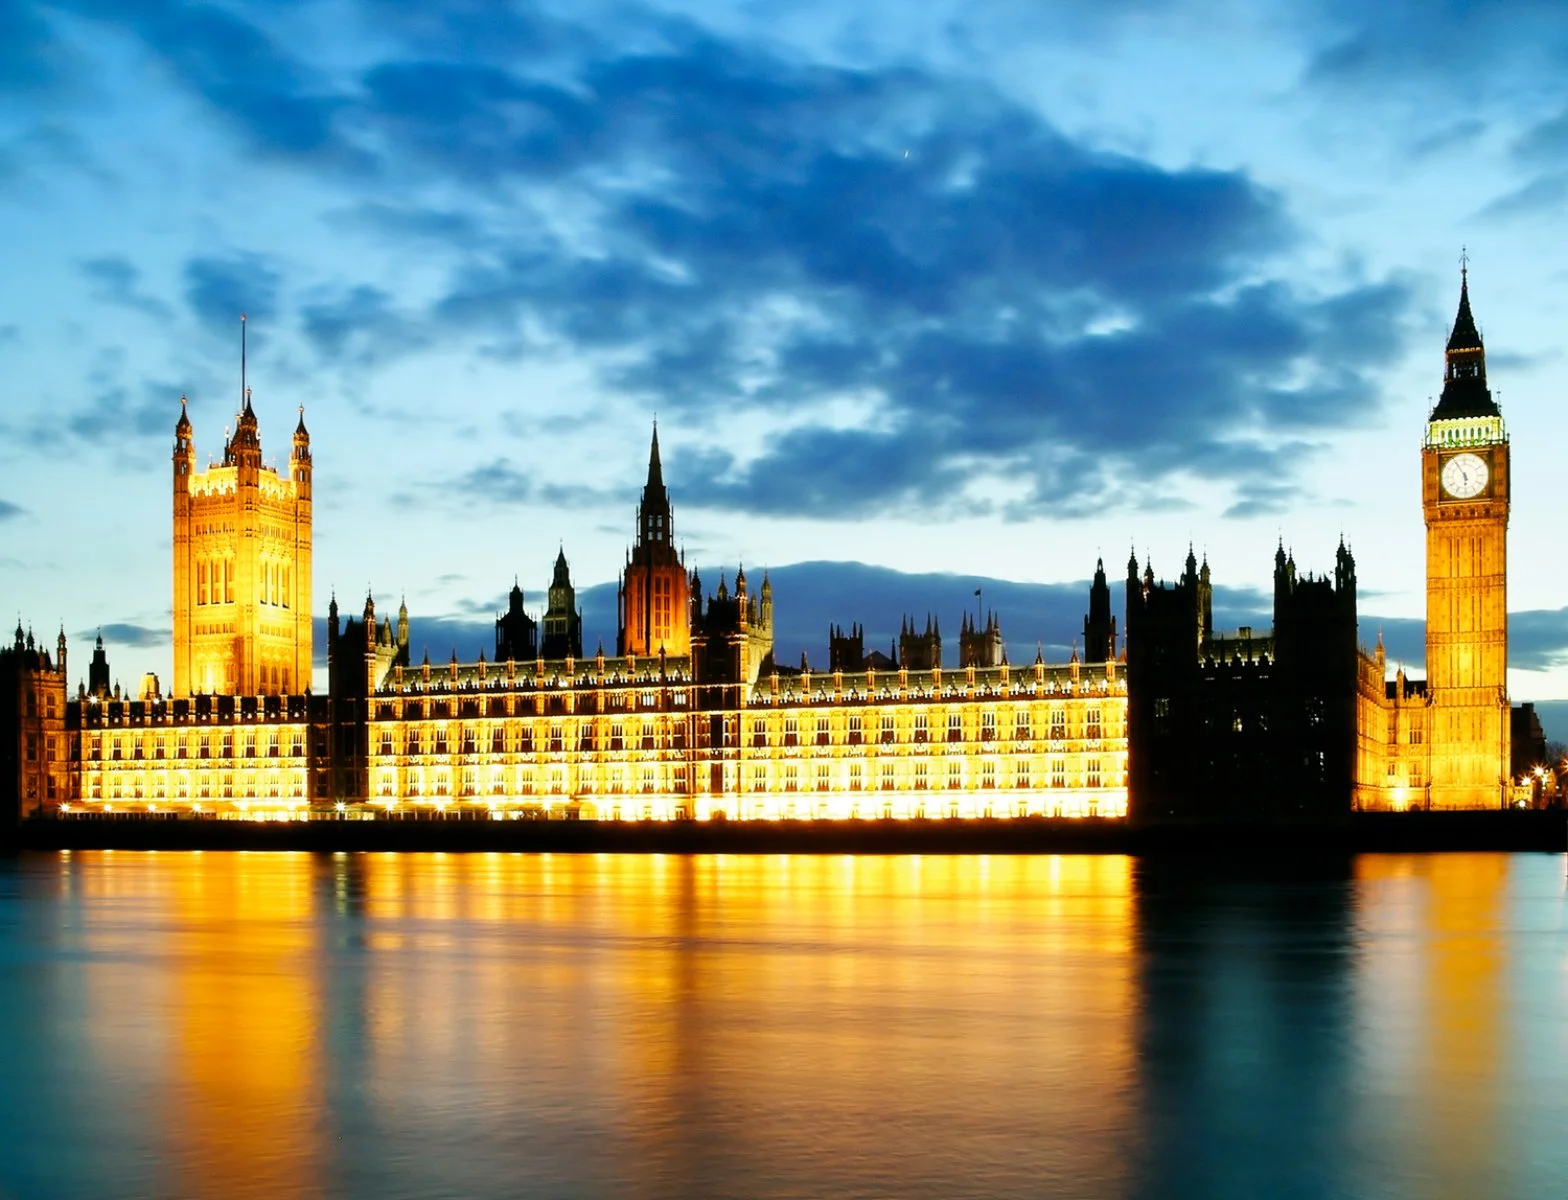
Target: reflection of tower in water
1465, 983
235, 949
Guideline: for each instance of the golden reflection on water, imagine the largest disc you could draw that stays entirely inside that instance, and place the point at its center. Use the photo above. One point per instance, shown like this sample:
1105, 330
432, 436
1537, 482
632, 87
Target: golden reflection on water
232, 1041
647, 1024
558, 1025
1443, 997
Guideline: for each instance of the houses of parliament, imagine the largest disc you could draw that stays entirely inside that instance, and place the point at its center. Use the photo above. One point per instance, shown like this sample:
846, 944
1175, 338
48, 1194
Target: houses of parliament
693, 717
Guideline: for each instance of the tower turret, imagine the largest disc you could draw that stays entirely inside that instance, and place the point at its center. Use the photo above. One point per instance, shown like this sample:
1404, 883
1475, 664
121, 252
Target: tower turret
1099, 626
654, 599
563, 624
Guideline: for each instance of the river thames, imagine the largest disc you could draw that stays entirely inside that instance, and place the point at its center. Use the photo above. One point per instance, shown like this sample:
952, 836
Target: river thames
259, 1024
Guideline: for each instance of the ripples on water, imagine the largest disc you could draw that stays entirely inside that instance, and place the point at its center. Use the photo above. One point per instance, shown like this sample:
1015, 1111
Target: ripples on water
451, 1025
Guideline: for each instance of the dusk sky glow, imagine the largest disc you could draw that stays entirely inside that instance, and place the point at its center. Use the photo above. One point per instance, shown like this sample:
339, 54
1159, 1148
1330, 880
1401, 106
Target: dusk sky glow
946, 289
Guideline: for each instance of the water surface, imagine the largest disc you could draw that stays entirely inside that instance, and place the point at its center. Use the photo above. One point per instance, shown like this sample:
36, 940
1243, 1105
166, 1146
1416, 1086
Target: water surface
186, 1024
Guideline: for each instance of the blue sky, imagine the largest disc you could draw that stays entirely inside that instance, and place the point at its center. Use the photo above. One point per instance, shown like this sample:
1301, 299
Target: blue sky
942, 289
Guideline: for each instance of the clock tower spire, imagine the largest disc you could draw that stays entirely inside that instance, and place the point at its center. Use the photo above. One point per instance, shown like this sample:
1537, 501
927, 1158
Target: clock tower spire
1464, 498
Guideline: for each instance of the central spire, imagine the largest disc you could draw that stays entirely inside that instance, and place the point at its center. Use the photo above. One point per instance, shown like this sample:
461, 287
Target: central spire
1465, 393
654, 523
655, 468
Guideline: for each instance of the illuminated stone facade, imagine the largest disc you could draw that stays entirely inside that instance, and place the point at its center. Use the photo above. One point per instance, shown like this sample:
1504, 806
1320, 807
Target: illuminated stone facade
632, 738
1444, 742
242, 756
242, 567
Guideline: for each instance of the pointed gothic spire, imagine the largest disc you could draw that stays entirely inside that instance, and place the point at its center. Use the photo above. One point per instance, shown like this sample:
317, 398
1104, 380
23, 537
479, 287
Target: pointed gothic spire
1465, 393
1465, 335
655, 468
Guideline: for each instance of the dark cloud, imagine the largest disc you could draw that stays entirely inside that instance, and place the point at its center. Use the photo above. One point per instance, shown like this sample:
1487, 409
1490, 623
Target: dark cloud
994, 288
219, 290
1543, 194
270, 97
118, 281
118, 410
1538, 639
361, 326
722, 228
125, 633
1455, 48
1450, 137
1545, 142
9, 511
1256, 498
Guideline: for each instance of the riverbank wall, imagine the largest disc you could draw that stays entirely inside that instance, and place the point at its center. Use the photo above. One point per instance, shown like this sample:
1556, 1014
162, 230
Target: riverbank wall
1545, 830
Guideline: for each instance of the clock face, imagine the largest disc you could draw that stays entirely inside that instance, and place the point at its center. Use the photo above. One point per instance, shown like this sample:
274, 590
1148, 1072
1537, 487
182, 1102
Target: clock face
1464, 476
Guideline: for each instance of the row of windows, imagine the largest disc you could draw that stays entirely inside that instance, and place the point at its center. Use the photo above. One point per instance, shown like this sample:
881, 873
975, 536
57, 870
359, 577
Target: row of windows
886, 777
159, 785
472, 782
523, 705
215, 582
197, 745
1021, 727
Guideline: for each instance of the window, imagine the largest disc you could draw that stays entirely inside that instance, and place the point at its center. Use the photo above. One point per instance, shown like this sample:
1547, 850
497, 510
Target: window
955, 774
988, 774
1058, 773
822, 731
1093, 724
922, 727
1058, 724
988, 726
791, 731
854, 777
823, 782
886, 731
955, 727
1416, 737
1092, 773
1021, 725
856, 733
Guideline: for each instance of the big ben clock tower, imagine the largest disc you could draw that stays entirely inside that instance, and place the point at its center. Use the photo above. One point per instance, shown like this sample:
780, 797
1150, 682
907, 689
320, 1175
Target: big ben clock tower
1464, 497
